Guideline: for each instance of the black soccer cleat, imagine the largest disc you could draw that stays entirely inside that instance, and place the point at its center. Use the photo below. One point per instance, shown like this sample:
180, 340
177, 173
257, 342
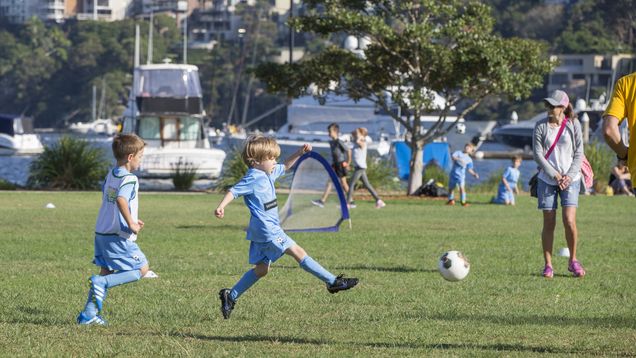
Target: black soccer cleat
227, 303
342, 284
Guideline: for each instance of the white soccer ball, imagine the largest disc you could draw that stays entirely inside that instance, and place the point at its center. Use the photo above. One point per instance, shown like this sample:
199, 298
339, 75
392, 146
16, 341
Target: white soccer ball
453, 266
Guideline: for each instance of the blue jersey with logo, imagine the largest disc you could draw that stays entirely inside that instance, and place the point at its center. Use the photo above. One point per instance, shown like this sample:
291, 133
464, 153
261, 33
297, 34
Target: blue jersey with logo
462, 162
512, 177
257, 190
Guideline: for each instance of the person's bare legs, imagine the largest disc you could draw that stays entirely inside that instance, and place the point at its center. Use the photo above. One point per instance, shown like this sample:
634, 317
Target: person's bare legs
297, 252
571, 233
345, 185
261, 269
547, 235
325, 195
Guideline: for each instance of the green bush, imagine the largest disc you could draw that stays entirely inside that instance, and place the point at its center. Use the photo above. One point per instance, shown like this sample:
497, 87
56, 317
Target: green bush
381, 174
233, 170
434, 171
183, 175
7, 185
602, 159
69, 164
489, 185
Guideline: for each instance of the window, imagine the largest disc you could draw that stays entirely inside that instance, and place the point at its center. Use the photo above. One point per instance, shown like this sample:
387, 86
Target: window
169, 129
149, 128
188, 128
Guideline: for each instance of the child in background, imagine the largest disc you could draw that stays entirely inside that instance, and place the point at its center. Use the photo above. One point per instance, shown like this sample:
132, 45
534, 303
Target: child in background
341, 158
462, 162
116, 253
508, 185
360, 165
268, 241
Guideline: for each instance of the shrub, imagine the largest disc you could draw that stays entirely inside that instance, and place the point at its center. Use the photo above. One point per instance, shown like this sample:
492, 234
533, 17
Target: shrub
233, 170
183, 175
489, 185
434, 171
7, 185
381, 174
69, 164
602, 159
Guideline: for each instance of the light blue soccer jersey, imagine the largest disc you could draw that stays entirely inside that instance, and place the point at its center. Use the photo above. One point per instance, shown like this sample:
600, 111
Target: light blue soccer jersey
119, 183
257, 190
512, 177
503, 195
461, 163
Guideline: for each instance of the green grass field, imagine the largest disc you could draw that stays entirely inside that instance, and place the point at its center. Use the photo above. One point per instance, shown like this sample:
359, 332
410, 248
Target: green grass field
402, 306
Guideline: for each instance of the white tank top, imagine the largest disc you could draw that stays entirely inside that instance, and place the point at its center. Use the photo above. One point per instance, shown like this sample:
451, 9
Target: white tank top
359, 155
109, 220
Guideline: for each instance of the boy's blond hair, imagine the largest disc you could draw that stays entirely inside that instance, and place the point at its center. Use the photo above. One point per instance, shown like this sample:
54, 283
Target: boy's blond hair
259, 148
125, 144
362, 131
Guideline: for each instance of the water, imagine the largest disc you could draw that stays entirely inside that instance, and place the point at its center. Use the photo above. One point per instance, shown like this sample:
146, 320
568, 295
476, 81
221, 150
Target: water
15, 169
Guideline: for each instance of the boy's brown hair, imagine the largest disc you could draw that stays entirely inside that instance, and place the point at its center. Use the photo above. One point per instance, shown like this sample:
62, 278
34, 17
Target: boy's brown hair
516, 157
259, 148
125, 144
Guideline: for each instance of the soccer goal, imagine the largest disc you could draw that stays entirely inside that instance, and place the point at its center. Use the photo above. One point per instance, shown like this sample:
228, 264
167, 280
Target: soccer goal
312, 177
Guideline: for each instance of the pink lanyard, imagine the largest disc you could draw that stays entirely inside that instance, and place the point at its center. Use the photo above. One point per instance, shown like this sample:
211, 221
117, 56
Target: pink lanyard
556, 140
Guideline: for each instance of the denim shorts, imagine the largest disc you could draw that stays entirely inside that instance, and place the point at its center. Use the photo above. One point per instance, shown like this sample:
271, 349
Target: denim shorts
547, 195
270, 251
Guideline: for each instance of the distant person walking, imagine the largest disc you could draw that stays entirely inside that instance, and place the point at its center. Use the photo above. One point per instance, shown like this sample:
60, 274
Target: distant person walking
341, 158
360, 168
622, 106
558, 150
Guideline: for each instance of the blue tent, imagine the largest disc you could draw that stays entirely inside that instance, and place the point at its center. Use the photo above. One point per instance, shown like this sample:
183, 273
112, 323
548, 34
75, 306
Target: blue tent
439, 152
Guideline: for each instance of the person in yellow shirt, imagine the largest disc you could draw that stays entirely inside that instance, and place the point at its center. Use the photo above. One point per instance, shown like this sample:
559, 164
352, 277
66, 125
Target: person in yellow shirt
622, 107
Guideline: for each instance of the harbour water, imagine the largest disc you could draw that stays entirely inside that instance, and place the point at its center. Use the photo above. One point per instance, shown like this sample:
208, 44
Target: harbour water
15, 169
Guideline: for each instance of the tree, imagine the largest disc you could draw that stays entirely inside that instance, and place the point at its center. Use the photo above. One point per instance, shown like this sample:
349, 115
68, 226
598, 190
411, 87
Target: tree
417, 49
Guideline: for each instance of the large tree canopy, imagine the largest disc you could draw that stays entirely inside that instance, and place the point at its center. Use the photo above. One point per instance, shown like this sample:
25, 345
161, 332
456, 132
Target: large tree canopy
416, 49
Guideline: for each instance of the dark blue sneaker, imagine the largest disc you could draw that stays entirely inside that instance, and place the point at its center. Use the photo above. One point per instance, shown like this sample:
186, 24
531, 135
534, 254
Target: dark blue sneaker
227, 303
84, 320
342, 284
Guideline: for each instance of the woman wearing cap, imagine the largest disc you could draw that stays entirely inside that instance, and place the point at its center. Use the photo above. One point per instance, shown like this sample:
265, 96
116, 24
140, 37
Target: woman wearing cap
560, 175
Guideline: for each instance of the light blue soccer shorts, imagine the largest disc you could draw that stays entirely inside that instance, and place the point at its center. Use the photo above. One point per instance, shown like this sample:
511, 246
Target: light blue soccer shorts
269, 252
547, 195
115, 253
455, 181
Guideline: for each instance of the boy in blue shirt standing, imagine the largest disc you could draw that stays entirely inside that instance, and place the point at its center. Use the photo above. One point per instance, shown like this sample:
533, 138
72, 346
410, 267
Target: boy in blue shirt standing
268, 241
116, 253
462, 162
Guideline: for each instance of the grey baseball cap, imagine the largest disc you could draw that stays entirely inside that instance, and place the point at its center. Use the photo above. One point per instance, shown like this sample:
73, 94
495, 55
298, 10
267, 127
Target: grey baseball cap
558, 98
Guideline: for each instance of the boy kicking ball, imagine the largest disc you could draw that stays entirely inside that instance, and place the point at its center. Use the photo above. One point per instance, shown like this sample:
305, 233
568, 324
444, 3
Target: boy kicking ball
268, 241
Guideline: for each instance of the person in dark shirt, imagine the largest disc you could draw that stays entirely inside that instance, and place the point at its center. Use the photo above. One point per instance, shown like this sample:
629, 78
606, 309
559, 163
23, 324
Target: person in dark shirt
341, 159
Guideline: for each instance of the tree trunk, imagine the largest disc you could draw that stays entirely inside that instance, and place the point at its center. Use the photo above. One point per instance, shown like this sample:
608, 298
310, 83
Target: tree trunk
415, 166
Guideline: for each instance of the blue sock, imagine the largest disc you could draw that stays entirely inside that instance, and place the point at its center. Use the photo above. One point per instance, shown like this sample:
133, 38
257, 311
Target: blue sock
463, 197
90, 309
310, 265
122, 277
451, 195
249, 278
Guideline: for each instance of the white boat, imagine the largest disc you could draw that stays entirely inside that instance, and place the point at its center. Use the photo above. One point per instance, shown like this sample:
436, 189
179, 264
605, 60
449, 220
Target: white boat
17, 137
99, 126
166, 111
519, 135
